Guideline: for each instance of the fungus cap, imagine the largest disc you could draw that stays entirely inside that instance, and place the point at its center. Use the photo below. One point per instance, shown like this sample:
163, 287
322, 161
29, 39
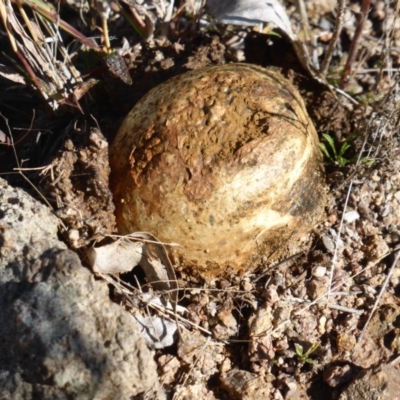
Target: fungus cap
223, 161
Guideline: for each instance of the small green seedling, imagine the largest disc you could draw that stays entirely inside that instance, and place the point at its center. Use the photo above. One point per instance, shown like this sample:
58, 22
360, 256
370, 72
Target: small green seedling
336, 153
305, 357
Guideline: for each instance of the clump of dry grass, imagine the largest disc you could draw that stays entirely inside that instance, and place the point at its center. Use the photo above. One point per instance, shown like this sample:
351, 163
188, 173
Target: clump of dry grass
44, 60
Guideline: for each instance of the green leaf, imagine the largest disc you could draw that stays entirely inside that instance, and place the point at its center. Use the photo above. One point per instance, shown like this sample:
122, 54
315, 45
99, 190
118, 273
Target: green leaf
343, 148
313, 348
299, 350
325, 151
331, 143
352, 137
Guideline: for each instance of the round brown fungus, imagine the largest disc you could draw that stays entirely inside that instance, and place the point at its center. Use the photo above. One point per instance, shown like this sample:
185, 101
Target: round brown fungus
223, 161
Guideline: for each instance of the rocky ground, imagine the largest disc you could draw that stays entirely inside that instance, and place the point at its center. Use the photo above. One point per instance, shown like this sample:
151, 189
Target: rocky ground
323, 324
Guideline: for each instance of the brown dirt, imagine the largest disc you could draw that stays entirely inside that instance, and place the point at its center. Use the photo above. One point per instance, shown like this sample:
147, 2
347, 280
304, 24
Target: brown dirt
78, 182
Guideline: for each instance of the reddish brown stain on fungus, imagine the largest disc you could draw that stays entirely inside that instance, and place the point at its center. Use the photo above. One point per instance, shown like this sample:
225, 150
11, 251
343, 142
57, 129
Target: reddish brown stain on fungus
224, 161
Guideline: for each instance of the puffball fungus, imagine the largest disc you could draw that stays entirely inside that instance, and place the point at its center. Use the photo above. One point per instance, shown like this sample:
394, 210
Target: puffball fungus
223, 161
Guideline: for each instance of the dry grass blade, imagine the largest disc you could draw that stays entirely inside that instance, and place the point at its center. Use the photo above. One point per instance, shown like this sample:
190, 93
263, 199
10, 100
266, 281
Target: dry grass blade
5, 10
38, 47
144, 27
49, 12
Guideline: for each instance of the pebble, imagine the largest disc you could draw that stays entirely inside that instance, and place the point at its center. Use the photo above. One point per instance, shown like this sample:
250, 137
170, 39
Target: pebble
346, 342
247, 286
319, 271
351, 216
322, 325
328, 244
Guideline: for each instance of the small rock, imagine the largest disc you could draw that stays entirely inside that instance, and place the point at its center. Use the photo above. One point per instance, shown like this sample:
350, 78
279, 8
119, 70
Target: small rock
305, 324
225, 366
189, 346
169, 366
377, 248
190, 392
322, 325
221, 332
346, 342
295, 391
317, 288
202, 355
319, 271
375, 177
381, 383
158, 332
227, 319
328, 244
337, 375
383, 321
271, 295
247, 286
282, 312
363, 209
244, 385
261, 349
351, 216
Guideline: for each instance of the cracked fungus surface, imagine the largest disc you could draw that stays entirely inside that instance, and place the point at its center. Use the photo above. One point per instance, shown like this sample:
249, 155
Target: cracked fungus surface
223, 161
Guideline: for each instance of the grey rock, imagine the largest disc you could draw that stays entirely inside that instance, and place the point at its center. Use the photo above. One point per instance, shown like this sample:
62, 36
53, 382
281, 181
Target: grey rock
60, 335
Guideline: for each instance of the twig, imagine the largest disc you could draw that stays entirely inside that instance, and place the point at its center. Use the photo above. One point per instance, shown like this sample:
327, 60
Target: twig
346, 309
365, 5
345, 94
338, 27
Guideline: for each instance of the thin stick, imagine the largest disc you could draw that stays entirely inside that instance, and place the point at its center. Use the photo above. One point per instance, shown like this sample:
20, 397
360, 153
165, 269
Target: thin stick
338, 27
365, 5
346, 309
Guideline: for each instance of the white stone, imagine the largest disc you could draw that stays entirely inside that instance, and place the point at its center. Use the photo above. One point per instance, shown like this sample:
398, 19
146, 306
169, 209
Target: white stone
351, 216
